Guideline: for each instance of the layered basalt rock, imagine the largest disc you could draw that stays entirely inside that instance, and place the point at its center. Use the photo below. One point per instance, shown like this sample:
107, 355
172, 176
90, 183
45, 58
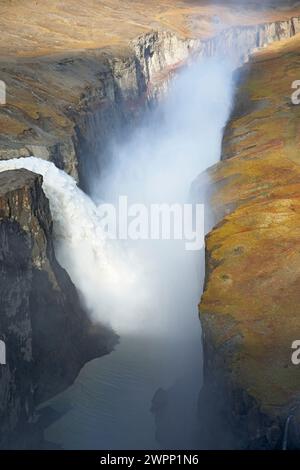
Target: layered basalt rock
249, 309
48, 336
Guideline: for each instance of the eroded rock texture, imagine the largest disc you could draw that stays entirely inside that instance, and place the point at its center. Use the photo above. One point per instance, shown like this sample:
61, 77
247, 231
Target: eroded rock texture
48, 336
250, 307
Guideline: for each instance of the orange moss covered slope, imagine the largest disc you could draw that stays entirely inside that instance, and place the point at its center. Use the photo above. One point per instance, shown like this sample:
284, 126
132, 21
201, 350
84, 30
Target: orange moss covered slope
250, 309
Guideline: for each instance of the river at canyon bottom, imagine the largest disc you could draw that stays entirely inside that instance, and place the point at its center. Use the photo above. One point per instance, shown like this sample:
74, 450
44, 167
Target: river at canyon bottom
109, 405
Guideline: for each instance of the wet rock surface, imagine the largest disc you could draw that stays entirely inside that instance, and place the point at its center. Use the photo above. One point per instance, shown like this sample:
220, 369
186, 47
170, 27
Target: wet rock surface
47, 334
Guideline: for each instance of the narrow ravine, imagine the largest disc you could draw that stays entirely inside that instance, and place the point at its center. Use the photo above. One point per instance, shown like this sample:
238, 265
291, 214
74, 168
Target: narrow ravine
160, 334
147, 290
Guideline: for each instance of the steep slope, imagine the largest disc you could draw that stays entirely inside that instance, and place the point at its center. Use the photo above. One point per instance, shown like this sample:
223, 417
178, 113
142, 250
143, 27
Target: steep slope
48, 336
249, 310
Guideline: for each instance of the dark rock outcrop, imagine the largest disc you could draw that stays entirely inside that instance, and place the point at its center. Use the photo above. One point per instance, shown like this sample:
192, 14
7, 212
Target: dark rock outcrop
48, 336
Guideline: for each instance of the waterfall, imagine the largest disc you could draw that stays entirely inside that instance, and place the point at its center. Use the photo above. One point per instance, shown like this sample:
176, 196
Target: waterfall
135, 285
147, 290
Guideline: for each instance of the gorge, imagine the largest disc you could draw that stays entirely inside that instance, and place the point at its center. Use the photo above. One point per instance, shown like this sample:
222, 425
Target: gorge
101, 132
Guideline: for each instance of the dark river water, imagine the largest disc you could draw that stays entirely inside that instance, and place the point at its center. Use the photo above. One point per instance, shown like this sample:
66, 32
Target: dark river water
109, 405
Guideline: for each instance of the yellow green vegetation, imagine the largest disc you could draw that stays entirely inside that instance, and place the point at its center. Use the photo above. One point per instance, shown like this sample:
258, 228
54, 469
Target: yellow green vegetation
253, 285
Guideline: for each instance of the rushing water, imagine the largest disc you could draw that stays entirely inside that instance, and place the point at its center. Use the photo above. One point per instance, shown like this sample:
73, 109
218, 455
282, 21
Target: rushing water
147, 290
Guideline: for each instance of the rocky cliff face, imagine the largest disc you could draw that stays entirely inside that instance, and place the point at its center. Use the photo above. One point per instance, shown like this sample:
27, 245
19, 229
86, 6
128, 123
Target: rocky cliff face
48, 336
240, 42
249, 310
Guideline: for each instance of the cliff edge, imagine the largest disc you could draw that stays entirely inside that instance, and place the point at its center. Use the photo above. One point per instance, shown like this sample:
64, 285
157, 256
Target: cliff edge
250, 307
48, 336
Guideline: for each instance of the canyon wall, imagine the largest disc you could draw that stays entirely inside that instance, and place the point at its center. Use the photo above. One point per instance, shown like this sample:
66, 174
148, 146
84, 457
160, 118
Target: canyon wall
48, 336
249, 309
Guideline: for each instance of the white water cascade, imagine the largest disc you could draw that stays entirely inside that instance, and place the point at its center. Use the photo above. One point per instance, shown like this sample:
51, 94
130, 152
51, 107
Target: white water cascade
147, 290
102, 273
129, 284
